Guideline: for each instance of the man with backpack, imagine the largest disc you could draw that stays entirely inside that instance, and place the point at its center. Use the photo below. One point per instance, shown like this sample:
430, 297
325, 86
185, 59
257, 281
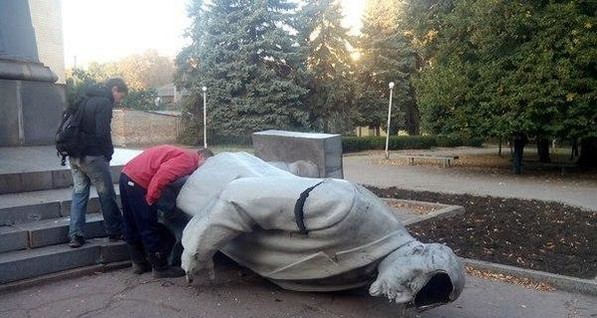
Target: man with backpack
90, 162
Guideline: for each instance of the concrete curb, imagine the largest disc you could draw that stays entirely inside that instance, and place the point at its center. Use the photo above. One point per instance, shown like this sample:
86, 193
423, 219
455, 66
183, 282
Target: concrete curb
445, 210
77, 272
561, 282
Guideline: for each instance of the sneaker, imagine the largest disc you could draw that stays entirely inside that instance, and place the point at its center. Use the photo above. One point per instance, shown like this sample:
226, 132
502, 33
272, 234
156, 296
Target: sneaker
76, 241
115, 237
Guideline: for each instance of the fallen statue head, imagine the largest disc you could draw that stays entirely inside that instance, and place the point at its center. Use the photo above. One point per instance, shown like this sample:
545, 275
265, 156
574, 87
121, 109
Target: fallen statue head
421, 275
309, 234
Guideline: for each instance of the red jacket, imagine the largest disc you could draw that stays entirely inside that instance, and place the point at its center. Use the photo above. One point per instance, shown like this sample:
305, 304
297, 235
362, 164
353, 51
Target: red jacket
159, 166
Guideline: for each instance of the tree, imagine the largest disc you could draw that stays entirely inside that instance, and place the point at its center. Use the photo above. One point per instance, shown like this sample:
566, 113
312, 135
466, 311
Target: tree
386, 56
244, 53
505, 68
139, 71
328, 65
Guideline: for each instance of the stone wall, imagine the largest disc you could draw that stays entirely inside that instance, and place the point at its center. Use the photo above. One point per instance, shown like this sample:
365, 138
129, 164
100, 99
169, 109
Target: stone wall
133, 127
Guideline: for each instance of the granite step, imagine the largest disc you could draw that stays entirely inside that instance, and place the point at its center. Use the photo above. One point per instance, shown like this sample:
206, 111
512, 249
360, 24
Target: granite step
25, 169
26, 181
18, 208
19, 265
46, 232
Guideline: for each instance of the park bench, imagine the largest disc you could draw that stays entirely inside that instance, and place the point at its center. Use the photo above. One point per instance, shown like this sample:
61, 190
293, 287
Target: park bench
444, 160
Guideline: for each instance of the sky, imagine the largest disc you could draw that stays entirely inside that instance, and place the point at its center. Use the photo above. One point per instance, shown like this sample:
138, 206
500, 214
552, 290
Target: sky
107, 30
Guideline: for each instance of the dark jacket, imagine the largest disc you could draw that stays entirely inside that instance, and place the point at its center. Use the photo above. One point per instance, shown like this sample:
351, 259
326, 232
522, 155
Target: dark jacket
97, 117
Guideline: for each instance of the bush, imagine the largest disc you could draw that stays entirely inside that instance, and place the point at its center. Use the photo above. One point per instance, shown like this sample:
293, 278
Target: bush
354, 144
241, 140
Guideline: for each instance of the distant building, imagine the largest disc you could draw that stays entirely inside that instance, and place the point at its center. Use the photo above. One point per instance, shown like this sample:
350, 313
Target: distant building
170, 97
46, 17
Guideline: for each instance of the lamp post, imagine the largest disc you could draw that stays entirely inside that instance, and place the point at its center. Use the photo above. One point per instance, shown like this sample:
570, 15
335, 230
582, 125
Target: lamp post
204, 89
391, 85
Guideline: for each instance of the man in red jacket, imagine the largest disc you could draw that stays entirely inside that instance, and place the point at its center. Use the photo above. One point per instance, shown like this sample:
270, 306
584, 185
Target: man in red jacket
141, 184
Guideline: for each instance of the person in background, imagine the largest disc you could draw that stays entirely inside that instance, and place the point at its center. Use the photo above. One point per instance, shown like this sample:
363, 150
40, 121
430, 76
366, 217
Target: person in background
142, 182
93, 166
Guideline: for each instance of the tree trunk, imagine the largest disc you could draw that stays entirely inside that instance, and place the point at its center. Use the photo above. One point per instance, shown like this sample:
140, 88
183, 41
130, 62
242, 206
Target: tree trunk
588, 152
519, 140
500, 146
412, 119
543, 149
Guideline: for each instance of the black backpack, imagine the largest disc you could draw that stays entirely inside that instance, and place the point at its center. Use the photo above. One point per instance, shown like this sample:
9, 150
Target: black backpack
70, 139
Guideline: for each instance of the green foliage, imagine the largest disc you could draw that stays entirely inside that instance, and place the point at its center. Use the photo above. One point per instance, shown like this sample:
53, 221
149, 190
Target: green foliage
328, 65
141, 99
354, 144
243, 52
77, 82
386, 56
504, 67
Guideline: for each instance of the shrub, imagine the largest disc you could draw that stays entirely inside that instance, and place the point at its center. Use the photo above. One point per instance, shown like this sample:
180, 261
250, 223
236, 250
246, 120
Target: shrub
354, 144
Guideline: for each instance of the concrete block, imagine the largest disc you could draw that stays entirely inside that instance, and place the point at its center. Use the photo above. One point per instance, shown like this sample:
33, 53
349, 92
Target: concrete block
29, 213
114, 252
12, 239
325, 150
36, 262
55, 231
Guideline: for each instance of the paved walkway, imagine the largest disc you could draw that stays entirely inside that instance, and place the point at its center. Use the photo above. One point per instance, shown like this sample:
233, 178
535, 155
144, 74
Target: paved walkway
368, 169
239, 293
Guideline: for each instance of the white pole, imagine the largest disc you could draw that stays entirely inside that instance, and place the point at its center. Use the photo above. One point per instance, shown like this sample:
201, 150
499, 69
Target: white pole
204, 117
391, 85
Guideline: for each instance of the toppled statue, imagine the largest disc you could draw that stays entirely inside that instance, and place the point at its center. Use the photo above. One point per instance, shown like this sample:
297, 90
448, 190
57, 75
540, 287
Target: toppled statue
308, 234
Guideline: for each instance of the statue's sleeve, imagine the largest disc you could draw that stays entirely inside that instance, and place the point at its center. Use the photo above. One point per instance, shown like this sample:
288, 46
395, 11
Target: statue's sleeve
207, 233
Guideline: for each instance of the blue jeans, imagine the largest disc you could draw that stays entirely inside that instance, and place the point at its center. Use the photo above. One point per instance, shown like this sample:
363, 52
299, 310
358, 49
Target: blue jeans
93, 170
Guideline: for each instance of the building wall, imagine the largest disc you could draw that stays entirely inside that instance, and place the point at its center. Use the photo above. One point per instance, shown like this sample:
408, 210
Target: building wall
46, 16
133, 127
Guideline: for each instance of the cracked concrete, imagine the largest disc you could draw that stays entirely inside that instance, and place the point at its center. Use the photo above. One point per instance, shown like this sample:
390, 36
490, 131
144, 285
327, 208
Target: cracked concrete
236, 292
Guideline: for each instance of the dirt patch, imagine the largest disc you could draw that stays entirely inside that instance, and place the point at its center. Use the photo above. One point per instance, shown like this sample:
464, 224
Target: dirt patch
540, 235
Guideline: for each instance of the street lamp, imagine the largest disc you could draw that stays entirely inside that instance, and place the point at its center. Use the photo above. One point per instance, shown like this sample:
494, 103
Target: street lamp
204, 89
391, 85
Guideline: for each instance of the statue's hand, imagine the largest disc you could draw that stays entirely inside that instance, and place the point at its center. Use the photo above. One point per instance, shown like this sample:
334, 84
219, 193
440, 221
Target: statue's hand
195, 267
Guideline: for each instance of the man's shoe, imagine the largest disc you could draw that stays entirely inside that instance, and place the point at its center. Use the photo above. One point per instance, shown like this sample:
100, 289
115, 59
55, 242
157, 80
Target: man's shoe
170, 271
161, 269
76, 241
115, 237
140, 268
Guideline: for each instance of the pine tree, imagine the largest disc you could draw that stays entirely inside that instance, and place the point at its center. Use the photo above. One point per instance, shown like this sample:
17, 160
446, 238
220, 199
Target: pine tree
243, 52
328, 65
386, 56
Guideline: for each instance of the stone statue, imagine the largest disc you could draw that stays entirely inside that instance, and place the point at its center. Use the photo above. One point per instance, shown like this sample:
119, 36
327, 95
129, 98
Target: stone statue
309, 234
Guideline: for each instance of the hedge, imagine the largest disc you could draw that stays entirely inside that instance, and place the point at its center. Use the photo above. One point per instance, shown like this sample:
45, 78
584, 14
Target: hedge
354, 144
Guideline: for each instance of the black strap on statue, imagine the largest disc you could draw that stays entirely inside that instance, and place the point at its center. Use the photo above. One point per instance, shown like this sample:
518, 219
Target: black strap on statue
299, 213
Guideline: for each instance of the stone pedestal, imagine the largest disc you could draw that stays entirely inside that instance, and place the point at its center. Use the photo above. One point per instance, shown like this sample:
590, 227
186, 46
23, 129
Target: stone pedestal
325, 150
30, 112
30, 103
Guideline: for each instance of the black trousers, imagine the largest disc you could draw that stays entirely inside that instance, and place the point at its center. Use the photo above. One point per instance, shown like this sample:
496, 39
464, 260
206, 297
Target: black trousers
140, 220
